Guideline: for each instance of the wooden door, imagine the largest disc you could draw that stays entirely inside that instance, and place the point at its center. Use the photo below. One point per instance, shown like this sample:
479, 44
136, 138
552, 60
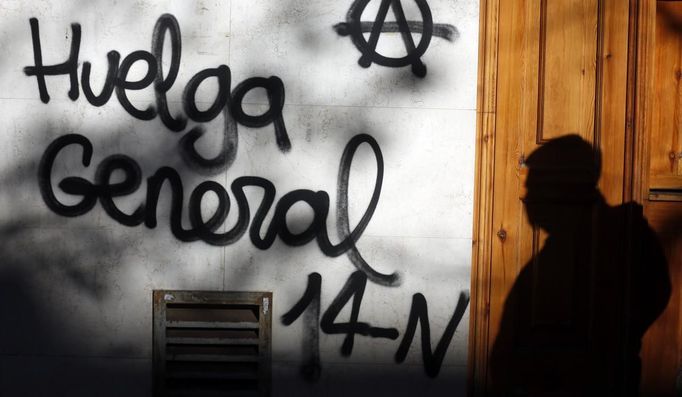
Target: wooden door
660, 189
549, 286
665, 159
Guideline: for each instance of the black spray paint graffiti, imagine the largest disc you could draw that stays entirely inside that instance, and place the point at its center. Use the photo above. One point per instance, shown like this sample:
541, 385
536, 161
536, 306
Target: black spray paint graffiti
103, 190
230, 104
309, 306
355, 288
355, 28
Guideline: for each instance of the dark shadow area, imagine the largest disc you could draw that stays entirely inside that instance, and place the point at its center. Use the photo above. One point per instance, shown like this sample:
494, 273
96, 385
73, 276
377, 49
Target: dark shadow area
53, 294
364, 379
575, 316
67, 326
669, 14
61, 329
660, 369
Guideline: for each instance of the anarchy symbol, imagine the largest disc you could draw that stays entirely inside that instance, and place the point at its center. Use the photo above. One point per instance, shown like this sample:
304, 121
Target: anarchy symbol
355, 28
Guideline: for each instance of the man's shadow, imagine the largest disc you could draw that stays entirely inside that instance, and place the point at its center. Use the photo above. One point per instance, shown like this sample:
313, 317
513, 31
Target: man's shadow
574, 318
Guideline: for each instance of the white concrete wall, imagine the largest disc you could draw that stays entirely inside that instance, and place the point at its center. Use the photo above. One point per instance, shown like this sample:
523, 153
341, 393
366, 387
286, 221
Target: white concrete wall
76, 291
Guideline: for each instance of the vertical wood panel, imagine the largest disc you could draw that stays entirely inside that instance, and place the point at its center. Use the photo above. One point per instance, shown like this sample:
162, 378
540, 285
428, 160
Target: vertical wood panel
561, 67
658, 45
665, 163
611, 134
517, 73
568, 68
483, 193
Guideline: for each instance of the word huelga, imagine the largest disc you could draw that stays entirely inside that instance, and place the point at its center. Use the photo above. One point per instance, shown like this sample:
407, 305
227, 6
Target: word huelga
226, 102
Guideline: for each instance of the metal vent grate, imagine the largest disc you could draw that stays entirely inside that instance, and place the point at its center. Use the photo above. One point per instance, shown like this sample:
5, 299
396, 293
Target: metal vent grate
212, 343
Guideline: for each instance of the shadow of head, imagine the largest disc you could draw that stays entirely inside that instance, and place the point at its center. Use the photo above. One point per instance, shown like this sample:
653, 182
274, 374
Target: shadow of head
562, 177
669, 14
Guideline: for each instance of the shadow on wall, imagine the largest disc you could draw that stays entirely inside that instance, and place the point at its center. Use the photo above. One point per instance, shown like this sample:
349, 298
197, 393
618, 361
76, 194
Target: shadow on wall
62, 310
670, 14
662, 337
338, 380
55, 290
53, 336
44, 265
575, 316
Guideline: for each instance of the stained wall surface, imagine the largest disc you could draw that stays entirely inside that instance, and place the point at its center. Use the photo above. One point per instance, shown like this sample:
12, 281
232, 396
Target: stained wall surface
78, 269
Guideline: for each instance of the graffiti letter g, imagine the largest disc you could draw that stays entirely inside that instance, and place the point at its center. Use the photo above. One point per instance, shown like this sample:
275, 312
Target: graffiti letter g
72, 185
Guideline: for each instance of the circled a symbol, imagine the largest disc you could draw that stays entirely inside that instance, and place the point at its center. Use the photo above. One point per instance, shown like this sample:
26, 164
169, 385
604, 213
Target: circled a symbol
355, 28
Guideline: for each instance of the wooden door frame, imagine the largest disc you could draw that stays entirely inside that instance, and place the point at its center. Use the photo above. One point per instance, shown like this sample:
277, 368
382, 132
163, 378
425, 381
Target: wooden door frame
641, 99
641, 27
483, 193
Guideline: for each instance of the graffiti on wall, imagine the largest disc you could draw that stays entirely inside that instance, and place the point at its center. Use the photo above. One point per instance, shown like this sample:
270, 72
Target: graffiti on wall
355, 28
104, 191
355, 289
228, 103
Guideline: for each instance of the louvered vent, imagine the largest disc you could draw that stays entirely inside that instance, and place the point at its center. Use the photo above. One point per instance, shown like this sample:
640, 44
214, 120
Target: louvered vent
212, 343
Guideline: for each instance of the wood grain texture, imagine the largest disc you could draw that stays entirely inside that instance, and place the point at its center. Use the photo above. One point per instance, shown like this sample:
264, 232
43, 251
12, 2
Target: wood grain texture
546, 69
483, 193
567, 74
657, 120
665, 160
